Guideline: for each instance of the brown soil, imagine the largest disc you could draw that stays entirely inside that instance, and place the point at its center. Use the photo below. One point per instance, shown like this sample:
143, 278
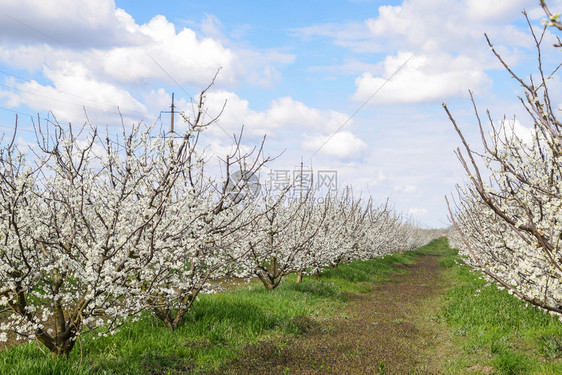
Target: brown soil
389, 330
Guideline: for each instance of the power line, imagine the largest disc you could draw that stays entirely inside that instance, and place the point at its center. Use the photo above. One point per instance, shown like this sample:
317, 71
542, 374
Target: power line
129, 111
11, 75
16, 112
168, 74
362, 105
182, 89
33, 28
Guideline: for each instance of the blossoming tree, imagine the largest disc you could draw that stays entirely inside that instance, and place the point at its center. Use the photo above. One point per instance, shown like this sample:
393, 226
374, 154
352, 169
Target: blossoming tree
510, 222
95, 229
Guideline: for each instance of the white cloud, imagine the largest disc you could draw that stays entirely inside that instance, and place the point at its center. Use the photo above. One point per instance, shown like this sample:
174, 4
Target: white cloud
511, 127
430, 26
212, 27
101, 73
159, 99
417, 212
376, 179
342, 144
355, 36
293, 123
114, 46
446, 38
283, 115
259, 67
182, 55
75, 89
69, 23
406, 188
95, 55
31, 58
496, 10
289, 112
256, 66
422, 79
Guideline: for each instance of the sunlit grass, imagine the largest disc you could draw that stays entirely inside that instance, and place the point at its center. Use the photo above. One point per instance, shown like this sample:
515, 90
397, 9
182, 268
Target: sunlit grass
498, 330
357, 276
213, 332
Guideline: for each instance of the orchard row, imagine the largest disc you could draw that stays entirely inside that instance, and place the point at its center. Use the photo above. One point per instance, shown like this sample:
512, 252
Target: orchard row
96, 229
508, 219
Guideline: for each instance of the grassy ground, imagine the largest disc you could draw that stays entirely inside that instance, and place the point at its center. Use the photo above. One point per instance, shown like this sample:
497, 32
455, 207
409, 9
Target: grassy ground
215, 331
377, 331
496, 332
217, 326
414, 313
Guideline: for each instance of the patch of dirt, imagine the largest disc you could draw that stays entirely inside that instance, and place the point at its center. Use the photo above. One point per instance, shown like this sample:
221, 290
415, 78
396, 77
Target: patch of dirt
388, 330
479, 369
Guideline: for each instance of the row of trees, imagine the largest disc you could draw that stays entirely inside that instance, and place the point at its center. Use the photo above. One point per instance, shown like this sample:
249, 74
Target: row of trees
97, 228
305, 235
508, 218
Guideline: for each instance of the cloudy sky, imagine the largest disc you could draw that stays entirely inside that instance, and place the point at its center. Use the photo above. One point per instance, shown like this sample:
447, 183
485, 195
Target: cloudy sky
353, 86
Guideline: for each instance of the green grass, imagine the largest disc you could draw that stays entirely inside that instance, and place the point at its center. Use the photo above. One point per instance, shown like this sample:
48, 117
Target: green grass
496, 329
214, 331
357, 276
491, 328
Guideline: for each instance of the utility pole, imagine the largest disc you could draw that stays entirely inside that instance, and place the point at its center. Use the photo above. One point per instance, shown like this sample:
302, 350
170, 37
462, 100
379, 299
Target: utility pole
301, 178
172, 117
172, 111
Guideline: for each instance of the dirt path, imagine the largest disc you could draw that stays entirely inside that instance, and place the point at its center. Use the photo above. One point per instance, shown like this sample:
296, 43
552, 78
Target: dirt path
388, 330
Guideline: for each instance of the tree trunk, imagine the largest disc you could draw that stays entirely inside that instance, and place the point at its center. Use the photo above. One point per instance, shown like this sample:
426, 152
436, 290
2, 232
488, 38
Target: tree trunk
63, 347
267, 281
59, 345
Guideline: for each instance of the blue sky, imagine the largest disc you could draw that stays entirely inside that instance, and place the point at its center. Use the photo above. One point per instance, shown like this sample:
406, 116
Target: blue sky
294, 70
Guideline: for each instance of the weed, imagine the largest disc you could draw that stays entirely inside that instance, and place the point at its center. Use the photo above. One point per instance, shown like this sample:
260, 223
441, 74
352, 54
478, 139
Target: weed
551, 346
511, 363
